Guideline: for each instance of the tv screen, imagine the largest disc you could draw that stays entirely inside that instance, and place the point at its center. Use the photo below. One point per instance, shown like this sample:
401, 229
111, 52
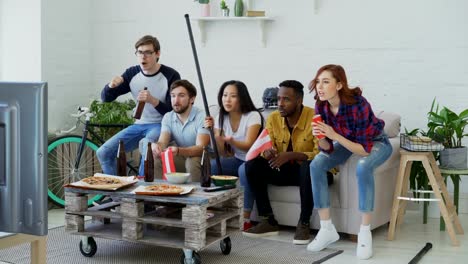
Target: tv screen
23, 158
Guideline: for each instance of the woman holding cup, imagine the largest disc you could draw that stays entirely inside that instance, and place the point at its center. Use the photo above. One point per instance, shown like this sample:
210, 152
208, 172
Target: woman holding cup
349, 127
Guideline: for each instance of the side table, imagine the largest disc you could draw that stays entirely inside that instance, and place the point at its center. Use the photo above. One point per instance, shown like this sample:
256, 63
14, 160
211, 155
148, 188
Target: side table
455, 175
437, 183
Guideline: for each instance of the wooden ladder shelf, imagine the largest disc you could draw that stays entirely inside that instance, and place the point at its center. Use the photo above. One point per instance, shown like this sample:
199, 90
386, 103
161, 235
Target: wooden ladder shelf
447, 209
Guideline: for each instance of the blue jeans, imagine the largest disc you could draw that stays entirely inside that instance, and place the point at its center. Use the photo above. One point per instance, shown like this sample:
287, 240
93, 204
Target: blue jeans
130, 136
323, 162
236, 167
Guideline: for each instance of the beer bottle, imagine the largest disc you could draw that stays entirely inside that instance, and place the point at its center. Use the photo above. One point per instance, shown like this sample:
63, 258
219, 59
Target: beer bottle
121, 160
140, 107
149, 164
205, 179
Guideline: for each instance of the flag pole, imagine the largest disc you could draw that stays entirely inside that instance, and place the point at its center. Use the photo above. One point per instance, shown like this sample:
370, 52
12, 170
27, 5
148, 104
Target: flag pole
202, 88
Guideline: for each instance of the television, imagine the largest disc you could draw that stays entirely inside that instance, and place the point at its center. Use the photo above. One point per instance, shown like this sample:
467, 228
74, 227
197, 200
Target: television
23, 158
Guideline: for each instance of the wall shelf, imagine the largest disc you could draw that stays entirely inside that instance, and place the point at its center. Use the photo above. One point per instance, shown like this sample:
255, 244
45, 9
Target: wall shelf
261, 21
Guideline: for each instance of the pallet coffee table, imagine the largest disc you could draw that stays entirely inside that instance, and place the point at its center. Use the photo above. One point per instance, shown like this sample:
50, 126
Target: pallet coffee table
190, 222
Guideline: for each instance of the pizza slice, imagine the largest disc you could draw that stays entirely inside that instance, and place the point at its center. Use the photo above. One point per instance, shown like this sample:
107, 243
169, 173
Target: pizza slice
102, 180
164, 189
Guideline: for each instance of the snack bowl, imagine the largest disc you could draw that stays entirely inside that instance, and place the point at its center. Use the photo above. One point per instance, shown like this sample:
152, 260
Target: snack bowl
221, 180
178, 177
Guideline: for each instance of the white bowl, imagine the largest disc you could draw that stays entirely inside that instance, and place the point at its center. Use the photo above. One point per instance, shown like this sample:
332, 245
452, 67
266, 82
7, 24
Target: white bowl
177, 177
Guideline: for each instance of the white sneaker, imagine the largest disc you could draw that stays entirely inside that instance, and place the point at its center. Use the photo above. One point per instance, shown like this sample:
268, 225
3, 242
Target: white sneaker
364, 245
325, 237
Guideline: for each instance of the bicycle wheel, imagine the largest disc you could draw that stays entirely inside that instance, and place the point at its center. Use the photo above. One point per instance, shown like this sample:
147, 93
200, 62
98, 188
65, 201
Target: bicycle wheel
62, 155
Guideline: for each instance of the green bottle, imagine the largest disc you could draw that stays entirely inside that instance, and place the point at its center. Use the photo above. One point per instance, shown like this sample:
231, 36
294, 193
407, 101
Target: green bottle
239, 8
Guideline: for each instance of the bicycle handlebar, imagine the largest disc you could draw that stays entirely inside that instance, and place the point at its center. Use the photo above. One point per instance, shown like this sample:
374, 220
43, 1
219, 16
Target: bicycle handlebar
81, 111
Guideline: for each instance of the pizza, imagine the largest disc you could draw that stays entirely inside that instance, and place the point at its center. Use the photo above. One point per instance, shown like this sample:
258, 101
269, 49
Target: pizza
102, 180
164, 189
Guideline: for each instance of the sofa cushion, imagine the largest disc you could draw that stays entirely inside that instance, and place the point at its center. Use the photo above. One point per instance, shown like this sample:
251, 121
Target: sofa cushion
392, 122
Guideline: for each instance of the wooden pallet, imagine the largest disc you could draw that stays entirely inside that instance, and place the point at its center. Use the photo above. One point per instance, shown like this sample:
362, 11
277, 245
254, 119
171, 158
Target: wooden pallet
179, 222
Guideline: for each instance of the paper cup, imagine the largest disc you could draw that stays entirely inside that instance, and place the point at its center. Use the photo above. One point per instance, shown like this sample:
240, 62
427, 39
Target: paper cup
317, 119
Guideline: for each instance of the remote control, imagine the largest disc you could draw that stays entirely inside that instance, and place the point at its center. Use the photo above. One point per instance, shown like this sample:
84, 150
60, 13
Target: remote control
219, 188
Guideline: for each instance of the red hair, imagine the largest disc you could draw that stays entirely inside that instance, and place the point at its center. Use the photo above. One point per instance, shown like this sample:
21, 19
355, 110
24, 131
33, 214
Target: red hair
346, 94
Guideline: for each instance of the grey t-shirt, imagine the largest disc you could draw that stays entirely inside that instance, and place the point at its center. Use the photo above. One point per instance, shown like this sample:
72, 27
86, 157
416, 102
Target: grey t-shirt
184, 135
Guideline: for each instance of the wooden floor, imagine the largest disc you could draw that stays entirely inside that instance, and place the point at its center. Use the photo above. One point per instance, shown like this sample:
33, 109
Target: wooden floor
411, 237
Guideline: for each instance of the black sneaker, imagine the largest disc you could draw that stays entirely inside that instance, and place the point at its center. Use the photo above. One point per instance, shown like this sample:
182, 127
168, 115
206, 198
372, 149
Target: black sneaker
263, 229
302, 235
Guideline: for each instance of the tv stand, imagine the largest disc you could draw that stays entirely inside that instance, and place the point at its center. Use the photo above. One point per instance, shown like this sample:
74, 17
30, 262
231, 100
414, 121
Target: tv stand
38, 245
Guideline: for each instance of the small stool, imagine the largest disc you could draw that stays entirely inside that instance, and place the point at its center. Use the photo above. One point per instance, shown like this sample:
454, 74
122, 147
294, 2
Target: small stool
400, 199
456, 173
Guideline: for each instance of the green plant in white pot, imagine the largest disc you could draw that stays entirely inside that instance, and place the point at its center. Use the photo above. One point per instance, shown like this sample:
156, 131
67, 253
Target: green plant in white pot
224, 8
448, 128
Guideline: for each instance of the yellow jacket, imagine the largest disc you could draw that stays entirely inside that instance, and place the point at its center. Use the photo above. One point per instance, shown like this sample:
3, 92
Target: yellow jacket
302, 138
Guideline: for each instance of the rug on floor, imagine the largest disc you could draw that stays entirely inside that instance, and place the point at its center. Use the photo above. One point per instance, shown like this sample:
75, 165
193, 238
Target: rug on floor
64, 248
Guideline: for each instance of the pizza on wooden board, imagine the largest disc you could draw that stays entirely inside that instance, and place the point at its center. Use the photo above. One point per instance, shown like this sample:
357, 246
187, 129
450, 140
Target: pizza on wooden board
164, 189
102, 180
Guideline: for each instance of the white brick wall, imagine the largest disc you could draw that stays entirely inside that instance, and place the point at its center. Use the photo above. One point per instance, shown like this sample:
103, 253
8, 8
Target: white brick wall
20, 40
67, 58
402, 53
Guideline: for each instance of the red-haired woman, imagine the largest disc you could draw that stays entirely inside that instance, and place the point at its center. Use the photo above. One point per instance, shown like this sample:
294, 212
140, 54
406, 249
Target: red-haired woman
350, 127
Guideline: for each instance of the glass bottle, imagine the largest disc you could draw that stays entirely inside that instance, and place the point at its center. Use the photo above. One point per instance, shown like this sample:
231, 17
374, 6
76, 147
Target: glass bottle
140, 107
205, 179
149, 164
121, 160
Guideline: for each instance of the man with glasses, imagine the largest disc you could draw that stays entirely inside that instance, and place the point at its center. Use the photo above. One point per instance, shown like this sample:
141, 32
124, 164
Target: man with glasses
158, 78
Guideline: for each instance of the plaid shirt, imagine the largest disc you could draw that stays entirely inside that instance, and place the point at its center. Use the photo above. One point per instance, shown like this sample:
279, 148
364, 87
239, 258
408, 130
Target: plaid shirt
355, 122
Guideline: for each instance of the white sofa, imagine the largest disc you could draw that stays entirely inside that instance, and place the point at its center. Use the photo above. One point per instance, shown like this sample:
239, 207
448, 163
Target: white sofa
285, 200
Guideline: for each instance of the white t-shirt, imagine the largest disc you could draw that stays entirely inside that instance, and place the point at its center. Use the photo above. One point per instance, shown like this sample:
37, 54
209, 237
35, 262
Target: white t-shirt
247, 120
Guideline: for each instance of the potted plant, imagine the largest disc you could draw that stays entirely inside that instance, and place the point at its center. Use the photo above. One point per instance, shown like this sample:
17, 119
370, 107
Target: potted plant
224, 8
111, 113
448, 128
205, 7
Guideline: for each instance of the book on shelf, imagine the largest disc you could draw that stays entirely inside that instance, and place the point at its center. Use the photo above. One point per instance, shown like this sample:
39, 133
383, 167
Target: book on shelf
254, 13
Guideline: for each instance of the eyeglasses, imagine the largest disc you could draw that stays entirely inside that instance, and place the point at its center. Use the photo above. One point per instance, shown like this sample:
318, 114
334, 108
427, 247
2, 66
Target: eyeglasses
145, 53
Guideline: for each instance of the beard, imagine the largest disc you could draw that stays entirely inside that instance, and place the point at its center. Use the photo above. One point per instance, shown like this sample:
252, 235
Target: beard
180, 109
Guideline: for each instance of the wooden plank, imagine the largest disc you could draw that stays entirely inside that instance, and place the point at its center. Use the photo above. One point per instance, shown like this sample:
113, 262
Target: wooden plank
218, 230
74, 223
106, 206
76, 202
104, 214
195, 238
404, 192
131, 208
397, 193
39, 250
194, 215
132, 230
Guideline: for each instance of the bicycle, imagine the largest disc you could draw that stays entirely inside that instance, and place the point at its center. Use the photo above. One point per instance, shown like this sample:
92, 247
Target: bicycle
73, 157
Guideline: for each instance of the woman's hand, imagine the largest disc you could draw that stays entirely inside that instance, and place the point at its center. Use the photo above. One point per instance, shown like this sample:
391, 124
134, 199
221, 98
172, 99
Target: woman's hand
208, 122
324, 129
228, 139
